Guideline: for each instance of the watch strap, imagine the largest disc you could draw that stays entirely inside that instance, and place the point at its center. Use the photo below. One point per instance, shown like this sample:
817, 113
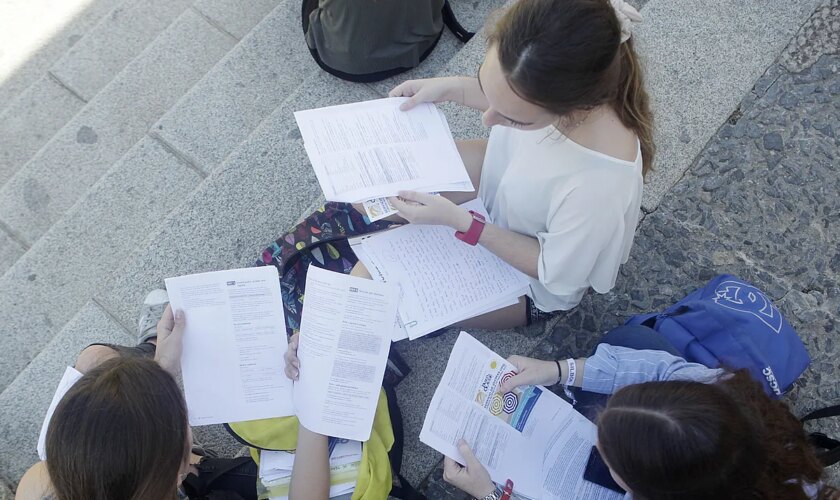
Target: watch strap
473, 234
496, 494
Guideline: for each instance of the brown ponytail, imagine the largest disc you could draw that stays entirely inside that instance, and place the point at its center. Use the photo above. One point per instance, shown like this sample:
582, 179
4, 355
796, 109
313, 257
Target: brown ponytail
633, 104
566, 56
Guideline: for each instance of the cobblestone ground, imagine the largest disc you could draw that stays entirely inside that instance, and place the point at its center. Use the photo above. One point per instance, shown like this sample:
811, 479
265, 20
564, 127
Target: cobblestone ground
762, 202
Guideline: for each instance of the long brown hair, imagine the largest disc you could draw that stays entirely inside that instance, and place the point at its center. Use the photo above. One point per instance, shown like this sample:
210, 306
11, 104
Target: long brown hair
689, 440
120, 432
567, 55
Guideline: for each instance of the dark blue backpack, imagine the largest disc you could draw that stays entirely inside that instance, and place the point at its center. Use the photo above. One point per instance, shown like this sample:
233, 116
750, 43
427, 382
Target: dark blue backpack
731, 323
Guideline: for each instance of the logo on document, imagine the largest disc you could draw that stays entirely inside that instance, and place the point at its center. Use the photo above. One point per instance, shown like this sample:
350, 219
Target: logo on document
231, 283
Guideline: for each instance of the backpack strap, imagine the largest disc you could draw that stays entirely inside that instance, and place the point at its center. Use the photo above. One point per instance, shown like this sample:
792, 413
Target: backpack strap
212, 483
454, 26
404, 490
828, 411
830, 446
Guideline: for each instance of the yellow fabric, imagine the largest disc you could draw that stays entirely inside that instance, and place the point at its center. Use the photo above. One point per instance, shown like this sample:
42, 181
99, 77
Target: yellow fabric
374, 481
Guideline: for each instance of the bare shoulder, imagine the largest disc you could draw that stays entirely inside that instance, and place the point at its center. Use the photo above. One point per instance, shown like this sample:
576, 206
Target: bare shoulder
607, 135
35, 484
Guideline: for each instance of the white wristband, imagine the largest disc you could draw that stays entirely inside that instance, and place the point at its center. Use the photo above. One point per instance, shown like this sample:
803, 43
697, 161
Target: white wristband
570, 378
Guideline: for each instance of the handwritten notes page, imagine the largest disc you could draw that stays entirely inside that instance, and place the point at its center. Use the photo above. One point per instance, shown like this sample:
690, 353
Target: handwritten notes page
529, 435
235, 338
442, 279
345, 337
372, 149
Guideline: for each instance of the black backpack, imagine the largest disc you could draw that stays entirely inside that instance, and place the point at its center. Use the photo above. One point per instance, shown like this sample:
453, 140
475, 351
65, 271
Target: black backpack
449, 21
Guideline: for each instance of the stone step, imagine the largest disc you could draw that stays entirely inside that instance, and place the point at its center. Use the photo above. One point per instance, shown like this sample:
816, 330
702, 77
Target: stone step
48, 284
10, 251
31, 119
259, 190
34, 34
699, 67
128, 203
24, 403
236, 17
111, 123
222, 109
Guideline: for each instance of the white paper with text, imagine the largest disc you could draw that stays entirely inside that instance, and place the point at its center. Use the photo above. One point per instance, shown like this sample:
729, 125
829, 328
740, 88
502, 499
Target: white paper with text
528, 435
372, 149
345, 336
442, 279
235, 338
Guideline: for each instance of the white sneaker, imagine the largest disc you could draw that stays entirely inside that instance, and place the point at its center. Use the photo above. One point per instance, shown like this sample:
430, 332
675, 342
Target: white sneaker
153, 307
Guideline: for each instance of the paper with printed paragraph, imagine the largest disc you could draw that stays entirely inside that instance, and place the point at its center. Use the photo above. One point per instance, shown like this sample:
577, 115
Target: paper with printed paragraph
234, 342
371, 149
345, 337
529, 435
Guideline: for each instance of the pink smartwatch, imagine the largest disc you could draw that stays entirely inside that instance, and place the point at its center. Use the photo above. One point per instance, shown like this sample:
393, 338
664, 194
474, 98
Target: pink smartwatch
472, 234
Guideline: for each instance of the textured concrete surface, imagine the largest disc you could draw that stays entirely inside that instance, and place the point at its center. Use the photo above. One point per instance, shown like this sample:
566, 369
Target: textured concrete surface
259, 191
699, 65
819, 35
36, 33
110, 45
5, 490
30, 120
111, 123
239, 92
43, 290
237, 17
24, 404
10, 251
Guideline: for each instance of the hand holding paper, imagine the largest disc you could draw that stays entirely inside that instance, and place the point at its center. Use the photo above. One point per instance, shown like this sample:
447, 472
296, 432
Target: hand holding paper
472, 477
170, 336
373, 149
423, 208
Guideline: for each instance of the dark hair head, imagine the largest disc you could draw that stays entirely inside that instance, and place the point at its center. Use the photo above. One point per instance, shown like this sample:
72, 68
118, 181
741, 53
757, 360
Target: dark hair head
567, 55
119, 432
689, 440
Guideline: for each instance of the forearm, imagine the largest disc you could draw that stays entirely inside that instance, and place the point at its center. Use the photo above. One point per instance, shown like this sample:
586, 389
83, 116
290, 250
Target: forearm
470, 94
614, 367
311, 471
580, 366
518, 250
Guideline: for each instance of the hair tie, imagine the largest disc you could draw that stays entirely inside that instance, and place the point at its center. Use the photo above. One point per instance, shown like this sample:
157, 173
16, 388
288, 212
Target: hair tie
627, 15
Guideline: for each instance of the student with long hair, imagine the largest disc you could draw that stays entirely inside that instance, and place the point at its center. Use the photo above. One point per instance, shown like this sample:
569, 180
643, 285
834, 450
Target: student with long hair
122, 432
562, 172
674, 430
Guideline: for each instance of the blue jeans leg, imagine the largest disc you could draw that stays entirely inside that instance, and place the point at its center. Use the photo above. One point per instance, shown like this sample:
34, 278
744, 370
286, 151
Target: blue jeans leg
630, 336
